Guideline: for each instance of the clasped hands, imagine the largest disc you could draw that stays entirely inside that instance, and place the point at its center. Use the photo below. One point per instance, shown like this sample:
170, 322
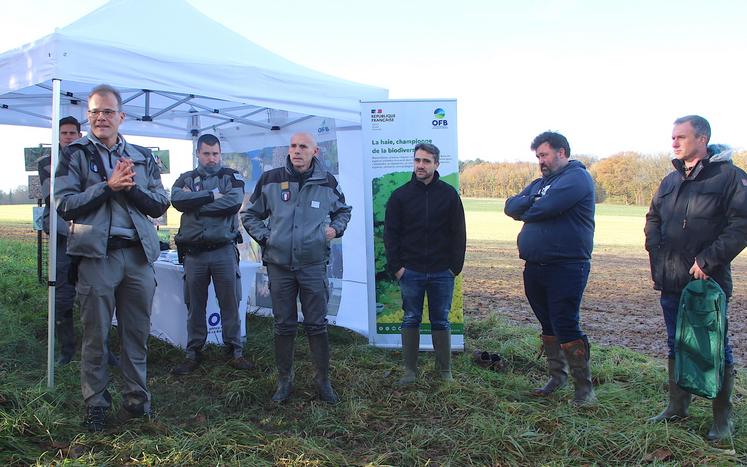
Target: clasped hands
123, 175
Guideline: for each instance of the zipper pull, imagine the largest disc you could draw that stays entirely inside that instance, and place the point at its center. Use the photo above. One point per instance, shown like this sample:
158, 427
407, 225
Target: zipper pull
684, 223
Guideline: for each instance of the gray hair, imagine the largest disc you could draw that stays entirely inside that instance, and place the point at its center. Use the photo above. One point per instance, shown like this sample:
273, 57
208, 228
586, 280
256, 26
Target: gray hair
700, 125
102, 89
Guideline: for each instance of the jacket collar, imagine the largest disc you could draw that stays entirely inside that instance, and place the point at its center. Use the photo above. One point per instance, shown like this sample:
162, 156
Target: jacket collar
717, 153
315, 172
415, 181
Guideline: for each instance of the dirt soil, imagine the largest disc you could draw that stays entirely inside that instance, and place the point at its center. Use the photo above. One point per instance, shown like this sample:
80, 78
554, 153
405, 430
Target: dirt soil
620, 306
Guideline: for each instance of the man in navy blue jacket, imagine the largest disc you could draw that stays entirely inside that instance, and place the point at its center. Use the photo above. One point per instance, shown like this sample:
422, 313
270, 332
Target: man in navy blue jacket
556, 242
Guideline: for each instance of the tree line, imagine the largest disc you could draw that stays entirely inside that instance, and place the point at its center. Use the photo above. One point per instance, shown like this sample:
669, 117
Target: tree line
623, 178
19, 195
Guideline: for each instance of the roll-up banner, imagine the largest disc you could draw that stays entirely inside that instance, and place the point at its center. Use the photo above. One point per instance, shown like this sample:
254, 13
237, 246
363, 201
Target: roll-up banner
390, 131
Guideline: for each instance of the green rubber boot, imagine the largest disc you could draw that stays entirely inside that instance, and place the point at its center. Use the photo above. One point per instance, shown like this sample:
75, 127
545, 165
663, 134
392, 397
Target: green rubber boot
679, 399
442, 347
723, 425
410, 348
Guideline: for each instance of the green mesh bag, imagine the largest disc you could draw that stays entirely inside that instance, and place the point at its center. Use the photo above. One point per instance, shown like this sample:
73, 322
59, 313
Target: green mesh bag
699, 339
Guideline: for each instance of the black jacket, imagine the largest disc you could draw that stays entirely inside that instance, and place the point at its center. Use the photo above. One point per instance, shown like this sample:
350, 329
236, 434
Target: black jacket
424, 228
702, 218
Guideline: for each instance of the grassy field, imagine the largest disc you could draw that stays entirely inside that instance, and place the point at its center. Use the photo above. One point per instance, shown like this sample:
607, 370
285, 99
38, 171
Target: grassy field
616, 225
23, 214
219, 416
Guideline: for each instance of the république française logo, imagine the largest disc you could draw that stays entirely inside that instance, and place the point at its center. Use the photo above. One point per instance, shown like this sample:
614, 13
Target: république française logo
379, 116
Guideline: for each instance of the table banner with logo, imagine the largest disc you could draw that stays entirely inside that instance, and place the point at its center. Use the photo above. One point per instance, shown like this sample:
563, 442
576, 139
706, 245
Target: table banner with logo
390, 130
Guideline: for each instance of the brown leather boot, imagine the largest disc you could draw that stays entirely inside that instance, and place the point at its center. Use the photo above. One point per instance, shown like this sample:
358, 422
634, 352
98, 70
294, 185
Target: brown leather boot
577, 354
556, 366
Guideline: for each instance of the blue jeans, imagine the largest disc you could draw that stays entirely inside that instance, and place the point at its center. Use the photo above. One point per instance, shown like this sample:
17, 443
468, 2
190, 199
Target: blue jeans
670, 303
554, 292
440, 288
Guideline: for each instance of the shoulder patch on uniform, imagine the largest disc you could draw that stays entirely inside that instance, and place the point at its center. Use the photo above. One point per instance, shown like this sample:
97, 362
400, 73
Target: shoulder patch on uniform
744, 182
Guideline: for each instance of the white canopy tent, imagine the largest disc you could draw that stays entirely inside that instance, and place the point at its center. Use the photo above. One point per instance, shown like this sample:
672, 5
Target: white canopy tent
180, 74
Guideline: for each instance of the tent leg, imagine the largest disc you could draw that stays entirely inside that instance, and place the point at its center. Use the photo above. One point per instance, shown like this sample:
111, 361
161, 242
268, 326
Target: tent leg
52, 257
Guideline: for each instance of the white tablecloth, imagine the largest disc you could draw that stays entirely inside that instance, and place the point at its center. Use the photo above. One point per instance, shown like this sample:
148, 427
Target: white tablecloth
169, 314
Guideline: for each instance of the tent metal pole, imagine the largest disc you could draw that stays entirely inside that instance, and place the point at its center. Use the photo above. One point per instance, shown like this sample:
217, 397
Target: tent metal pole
52, 257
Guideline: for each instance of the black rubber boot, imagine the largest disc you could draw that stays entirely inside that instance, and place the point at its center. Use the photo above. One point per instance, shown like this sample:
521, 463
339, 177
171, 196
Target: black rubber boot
410, 348
577, 353
679, 399
319, 346
65, 331
442, 348
284, 347
723, 426
557, 366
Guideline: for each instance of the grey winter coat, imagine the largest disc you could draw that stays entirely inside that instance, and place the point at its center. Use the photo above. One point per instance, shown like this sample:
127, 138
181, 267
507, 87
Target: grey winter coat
84, 197
290, 223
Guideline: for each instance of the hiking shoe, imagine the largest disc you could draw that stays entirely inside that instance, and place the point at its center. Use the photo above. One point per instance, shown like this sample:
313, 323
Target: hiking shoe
489, 361
482, 358
497, 363
95, 420
124, 415
241, 363
186, 367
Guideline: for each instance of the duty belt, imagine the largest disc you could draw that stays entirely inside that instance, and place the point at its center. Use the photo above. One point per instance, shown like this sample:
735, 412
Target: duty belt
203, 247
118, 243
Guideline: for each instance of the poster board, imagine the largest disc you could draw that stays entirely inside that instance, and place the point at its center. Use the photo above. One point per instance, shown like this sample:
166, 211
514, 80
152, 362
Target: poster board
390, 130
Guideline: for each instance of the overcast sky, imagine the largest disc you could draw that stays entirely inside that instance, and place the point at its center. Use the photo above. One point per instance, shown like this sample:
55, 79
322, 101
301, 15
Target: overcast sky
611, 76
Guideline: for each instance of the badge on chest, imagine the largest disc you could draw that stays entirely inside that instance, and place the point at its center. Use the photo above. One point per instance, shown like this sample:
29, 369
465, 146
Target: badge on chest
285, 193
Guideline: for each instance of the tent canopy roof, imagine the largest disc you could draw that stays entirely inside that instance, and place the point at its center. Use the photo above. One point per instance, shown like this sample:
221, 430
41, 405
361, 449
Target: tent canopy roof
177, 70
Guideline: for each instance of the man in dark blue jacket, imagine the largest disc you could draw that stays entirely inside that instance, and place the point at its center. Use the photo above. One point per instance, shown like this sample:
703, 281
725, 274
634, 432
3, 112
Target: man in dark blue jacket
556, 242
425, 239
696, 226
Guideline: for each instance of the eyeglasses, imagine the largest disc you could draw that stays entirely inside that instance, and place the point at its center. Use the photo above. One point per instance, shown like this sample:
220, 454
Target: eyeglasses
107, 113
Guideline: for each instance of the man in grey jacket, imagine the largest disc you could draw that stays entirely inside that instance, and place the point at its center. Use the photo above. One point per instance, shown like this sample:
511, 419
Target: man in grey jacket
108, 188
209, 198
293, 213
